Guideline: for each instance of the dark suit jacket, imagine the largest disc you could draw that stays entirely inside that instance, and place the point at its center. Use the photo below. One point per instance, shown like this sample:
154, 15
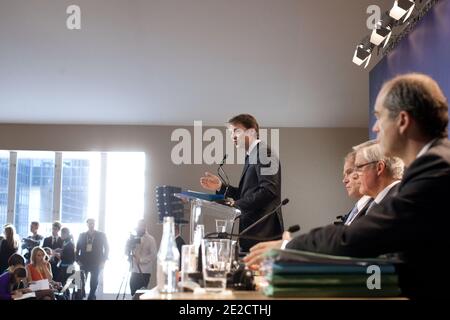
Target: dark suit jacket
48, 243
99, 253
414, 222
370, 205
257, 195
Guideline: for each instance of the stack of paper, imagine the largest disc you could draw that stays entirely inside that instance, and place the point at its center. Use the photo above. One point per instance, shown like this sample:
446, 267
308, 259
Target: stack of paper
292, 273
40, 285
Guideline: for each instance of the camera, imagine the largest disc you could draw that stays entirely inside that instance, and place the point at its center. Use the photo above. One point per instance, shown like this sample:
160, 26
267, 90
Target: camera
132, 242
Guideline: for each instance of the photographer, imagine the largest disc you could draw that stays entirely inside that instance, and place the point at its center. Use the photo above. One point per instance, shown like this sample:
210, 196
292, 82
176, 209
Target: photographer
141, 251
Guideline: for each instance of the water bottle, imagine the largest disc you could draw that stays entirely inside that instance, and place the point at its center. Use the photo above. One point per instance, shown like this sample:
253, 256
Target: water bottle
168, 259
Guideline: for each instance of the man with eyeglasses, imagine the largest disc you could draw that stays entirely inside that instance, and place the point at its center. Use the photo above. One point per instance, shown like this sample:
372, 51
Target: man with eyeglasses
379, 176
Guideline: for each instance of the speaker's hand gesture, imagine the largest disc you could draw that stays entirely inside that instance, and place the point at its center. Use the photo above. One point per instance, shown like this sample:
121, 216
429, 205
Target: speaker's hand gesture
210, 182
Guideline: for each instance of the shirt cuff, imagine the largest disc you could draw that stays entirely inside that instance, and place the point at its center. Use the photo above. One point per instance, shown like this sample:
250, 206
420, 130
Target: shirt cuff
284, 244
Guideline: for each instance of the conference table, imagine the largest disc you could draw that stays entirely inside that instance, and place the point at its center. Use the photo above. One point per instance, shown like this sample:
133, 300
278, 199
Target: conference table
153, 294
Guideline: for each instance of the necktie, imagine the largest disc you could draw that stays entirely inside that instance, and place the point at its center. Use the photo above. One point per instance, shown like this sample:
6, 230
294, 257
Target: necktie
351, 215
372, 203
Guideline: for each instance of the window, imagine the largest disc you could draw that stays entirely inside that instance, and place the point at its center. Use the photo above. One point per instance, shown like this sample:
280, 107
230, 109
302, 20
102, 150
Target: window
80, 190
109, 187
4, 174
34, 189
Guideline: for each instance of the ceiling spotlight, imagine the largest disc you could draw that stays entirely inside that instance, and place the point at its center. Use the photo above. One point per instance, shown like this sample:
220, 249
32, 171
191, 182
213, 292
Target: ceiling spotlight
381, 34
362, 55
402, 8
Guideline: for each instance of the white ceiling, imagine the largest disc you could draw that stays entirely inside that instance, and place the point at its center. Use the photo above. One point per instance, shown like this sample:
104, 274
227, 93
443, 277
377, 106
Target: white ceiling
170, 62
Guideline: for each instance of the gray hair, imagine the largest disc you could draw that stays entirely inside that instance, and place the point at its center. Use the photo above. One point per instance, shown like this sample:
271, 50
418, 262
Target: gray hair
350, 157
371, 151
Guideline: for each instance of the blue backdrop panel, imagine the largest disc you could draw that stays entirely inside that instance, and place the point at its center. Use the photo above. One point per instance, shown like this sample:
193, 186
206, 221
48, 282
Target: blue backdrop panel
426, 50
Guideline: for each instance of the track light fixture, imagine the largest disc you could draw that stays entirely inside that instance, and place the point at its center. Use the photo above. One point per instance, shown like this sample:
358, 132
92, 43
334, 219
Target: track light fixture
381, 34
362, 54
402, 8
391, 28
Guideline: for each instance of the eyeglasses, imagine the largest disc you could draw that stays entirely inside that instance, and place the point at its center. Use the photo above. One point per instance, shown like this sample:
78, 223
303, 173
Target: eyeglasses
360, 167
350, 174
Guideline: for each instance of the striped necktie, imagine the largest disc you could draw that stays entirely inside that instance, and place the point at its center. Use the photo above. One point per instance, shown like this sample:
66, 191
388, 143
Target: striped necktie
351, 215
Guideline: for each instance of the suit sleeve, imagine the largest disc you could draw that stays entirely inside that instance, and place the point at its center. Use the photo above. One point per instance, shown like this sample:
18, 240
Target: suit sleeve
267, 191
232, 192
392, 226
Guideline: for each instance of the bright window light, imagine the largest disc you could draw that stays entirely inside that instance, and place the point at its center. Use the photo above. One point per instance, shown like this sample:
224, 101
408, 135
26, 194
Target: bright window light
125, 190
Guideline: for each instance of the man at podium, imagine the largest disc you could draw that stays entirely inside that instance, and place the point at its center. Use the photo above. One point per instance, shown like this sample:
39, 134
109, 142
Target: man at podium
259, 189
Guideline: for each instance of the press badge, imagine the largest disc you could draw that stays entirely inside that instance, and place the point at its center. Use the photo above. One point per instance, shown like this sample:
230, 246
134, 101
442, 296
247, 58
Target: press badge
89, 247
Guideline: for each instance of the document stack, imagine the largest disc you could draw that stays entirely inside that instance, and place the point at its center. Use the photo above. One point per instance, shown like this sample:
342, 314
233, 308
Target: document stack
290, 273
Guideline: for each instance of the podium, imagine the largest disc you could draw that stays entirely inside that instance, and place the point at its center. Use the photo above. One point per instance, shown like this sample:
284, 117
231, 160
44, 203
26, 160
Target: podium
205, 212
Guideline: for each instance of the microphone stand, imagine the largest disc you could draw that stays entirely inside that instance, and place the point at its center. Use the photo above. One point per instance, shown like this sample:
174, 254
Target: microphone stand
221, 173
284, 202
225, 235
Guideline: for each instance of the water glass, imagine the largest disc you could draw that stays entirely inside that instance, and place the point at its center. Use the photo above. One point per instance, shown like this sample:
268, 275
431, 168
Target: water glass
188, 261
216, 255
221, 226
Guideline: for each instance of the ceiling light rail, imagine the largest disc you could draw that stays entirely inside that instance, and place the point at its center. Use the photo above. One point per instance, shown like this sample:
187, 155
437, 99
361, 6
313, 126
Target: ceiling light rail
394, 24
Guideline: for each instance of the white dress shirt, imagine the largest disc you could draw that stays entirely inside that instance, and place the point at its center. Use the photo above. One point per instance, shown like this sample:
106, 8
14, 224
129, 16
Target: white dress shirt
252, 146
147, 252
359, 205
383, 193
426, 148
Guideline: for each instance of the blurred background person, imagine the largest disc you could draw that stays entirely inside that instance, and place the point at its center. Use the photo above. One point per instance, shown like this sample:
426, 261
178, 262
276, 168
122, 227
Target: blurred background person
91, 254
142, 254
11, 279
53, 242
33, 240
66, 255
8, 246
39, 268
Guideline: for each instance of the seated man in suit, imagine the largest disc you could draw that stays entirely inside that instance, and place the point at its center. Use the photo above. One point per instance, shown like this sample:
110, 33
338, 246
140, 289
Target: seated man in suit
352, 185
378, 175
412, 120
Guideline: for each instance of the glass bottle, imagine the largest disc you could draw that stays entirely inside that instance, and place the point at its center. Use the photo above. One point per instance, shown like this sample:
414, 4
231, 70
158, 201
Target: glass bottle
168, 259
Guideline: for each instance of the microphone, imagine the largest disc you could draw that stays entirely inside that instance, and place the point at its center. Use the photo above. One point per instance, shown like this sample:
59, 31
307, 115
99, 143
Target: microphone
225, 235
223, 175
293, 228
222, 172
283, 203
225, 156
